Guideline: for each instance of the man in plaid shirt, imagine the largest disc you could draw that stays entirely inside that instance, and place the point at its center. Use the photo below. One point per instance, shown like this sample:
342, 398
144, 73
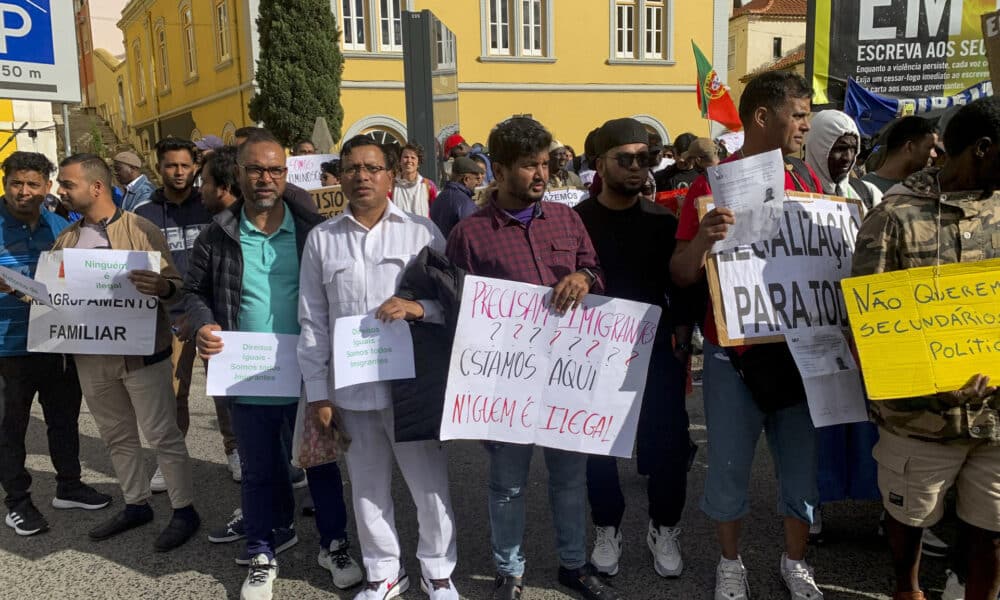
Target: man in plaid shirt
519, 238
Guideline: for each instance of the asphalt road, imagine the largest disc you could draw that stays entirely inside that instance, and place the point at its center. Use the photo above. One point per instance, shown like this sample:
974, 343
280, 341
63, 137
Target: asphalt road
63, 563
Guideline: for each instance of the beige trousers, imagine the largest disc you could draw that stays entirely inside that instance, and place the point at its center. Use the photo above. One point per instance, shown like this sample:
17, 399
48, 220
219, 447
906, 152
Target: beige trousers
122, 403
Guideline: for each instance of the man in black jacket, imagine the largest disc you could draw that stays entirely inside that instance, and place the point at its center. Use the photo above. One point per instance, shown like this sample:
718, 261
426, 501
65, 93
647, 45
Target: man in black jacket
244, 276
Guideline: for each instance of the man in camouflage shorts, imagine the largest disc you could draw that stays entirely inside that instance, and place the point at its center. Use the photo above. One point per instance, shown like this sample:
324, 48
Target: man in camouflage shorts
931, 443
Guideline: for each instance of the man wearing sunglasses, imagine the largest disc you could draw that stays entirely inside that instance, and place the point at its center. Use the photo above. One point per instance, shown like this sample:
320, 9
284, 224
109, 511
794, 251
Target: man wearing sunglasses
627, 232
244, 276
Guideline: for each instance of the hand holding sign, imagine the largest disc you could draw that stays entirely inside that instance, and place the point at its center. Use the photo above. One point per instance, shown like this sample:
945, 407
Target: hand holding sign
976, 388
208, 344
149, 283
396, 308
714, 227
569, 292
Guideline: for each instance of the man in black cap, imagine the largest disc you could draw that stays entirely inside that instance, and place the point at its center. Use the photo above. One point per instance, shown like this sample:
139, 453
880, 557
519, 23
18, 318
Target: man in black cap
454, 203
627, 232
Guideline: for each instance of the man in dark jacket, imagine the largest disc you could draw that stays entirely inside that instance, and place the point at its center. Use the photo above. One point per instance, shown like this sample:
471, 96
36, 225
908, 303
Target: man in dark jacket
177, 210
244, 276
454, 203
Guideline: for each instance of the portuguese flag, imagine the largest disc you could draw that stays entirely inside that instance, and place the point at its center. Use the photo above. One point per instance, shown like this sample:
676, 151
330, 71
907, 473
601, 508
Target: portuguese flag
713, 97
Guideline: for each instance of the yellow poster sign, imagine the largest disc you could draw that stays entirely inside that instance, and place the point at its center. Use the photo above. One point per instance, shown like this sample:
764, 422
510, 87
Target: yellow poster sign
926, 330
330, 201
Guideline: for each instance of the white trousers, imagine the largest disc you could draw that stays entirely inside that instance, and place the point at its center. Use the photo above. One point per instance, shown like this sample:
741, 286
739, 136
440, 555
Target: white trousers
424, 466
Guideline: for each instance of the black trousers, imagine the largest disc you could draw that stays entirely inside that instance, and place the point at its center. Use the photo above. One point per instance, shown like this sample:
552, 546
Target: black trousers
54, 379
663, 447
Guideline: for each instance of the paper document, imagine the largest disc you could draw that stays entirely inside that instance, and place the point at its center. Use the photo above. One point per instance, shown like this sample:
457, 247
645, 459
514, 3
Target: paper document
26, 285
366, 350
830, 375
255, 364
100, 274
754, 189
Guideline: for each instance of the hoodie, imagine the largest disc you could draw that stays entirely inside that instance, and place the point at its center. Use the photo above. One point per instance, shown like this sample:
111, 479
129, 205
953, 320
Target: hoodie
827, 127
488, 179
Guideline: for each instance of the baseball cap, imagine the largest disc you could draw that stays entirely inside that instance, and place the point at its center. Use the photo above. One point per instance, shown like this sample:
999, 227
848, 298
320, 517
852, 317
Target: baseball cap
619, 132
464, 164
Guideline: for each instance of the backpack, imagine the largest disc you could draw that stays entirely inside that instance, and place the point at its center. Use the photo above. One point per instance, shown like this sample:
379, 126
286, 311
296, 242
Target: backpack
802, 175
863, 191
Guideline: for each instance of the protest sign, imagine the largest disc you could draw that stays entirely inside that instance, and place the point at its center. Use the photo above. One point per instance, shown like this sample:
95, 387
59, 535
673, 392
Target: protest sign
926, 330
102, 274
753, 188
330, 201
521, 373
117, 326
25, 285
304, 171
991, 36
830, 376
254, 364
569, 196
766, 289
366, 350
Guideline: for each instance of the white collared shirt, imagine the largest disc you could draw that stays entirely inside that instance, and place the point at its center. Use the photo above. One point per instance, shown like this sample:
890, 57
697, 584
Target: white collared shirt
348, 269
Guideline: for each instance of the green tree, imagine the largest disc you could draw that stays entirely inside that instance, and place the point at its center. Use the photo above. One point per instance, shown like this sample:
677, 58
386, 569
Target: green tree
299, 71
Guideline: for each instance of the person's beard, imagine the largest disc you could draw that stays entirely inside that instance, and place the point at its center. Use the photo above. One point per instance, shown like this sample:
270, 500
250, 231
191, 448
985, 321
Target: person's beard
623, 188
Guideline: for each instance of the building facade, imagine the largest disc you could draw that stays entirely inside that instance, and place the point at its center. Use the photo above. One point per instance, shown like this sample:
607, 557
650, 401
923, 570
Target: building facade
763, 33
570, 64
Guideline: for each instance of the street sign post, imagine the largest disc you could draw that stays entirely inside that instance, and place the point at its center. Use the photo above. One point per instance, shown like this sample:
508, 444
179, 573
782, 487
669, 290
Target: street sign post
38, 59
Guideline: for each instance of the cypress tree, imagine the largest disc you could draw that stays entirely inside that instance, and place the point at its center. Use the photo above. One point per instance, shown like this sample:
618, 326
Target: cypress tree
299, 71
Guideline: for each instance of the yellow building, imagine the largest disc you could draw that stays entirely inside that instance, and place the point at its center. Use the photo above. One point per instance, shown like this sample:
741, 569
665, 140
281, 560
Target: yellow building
111, 96
571, 64
762, 33
27, 126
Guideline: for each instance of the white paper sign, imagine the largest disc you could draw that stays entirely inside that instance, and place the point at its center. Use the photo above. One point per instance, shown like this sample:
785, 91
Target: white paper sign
754, 189
830, 375
568, 196
791, 281
366, 350
113, 326
255, 364
521, 373
101, 274
304, 171
25, 285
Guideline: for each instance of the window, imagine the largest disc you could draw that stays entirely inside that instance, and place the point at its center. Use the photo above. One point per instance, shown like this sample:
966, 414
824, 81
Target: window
731, 58
445, 42
776, 48
390, 26
223, 52
188, 41
160, 37
640, 30
140, 75
517, 28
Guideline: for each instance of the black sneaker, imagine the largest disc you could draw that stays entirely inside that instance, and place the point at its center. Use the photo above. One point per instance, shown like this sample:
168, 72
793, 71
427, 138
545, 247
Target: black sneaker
26, 520
508, 587
586, 582
232, 532
82, 496
178, 530
130, 518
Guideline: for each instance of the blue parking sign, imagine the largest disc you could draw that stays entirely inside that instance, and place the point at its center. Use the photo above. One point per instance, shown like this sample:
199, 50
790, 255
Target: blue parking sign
26, 31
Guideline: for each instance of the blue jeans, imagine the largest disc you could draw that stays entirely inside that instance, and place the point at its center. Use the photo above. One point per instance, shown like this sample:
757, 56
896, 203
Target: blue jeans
267, 498
734, 423
509, 465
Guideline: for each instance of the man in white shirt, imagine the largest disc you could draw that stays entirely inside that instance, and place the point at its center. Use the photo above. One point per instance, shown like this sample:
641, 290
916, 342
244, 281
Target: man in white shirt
350, 265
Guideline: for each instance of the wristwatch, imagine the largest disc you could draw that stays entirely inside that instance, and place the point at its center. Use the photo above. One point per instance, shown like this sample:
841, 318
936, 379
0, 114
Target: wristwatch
589, 274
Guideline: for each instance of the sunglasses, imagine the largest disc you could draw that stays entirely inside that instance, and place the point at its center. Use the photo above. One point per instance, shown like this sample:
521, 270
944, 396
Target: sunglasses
625, 160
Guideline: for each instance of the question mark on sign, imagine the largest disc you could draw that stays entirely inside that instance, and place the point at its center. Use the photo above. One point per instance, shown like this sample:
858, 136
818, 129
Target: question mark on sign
518, 330
592, 348
615, 352
556, 337
534, 335
495, 331
573, 345
631, 358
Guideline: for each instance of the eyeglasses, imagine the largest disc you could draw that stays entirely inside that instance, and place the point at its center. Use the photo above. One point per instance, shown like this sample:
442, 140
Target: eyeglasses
625, 160
355, 170
257, 171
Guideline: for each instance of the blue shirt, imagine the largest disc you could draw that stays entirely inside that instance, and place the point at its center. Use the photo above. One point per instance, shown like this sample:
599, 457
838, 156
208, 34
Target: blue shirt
270, 298
19, 250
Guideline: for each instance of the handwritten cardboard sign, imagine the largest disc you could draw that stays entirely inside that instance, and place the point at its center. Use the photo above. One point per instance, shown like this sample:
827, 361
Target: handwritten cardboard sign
330, 201
521, 373
74, 325
926, 330
791, 281
304, 171
569, 196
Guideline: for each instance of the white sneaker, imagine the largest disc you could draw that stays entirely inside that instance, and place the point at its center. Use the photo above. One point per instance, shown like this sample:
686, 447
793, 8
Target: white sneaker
953, 588
235, 468
442, 593
666, 550
798, 578
385, 589
932, 545
158, 483
817, 525
344, 569
607, 550
260, 579
731, 580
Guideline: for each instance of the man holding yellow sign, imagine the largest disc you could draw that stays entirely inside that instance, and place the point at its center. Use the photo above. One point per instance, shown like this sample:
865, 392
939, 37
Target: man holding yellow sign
928, 443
